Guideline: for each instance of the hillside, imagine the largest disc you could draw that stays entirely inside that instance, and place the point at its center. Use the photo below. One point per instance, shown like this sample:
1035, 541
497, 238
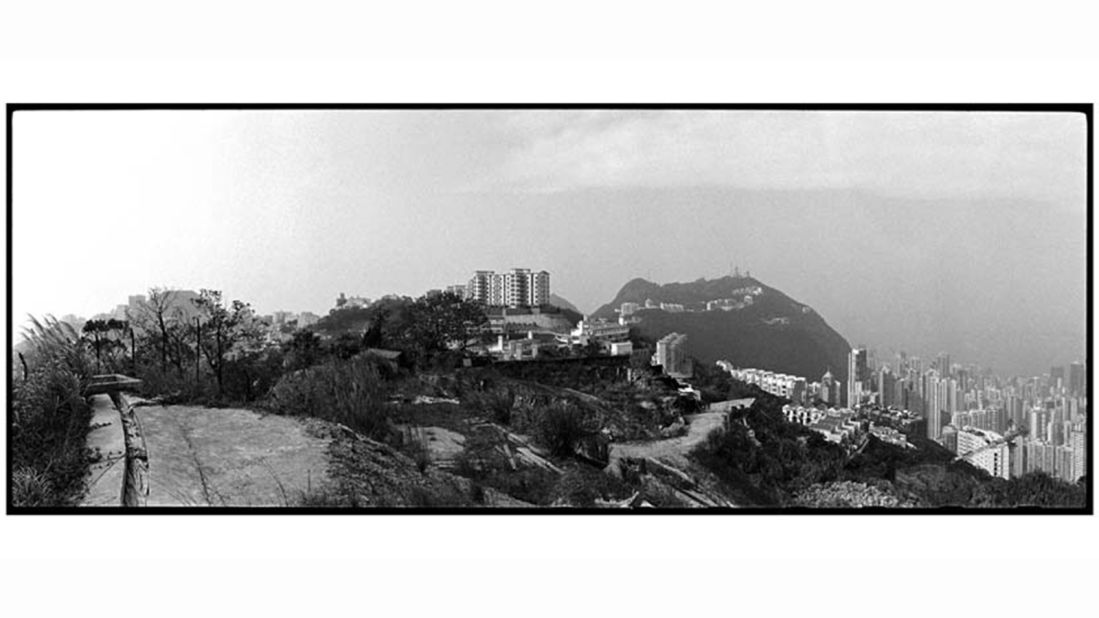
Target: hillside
557, 301
770, 331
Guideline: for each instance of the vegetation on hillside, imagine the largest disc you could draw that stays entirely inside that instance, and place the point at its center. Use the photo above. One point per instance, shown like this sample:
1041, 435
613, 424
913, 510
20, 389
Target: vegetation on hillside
50, 418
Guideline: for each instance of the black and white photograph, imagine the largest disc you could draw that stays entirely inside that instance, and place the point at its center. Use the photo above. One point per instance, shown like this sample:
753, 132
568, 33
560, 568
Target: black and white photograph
486, 308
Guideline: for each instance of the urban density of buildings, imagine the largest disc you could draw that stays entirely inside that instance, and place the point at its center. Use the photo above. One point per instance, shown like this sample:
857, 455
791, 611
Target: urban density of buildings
1006, 427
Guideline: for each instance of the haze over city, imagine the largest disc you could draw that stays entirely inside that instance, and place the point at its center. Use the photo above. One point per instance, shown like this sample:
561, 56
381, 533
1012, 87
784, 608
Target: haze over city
958, 232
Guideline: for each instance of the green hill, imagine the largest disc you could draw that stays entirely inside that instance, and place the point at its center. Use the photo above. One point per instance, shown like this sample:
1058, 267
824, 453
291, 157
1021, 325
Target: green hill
771, 331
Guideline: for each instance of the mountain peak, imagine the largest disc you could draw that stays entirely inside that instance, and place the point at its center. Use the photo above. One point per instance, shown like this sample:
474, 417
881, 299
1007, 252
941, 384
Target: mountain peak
735, 318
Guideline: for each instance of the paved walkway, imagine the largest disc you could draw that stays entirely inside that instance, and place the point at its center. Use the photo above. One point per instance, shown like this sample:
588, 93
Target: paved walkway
226, 457
105, 477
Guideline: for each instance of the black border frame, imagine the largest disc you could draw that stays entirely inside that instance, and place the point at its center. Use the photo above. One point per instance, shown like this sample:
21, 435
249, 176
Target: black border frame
1082, 108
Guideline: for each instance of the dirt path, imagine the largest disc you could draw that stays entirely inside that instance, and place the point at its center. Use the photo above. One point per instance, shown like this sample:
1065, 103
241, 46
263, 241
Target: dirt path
227, 457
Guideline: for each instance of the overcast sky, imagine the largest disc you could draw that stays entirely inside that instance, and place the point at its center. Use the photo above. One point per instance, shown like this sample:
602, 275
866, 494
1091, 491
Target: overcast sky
957, 232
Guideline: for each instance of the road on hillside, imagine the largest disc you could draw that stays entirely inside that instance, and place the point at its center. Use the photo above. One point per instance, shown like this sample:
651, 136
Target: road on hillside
226, 457
674, 450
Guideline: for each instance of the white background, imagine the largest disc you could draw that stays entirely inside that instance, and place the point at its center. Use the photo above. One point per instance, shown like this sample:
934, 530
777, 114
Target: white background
552, 52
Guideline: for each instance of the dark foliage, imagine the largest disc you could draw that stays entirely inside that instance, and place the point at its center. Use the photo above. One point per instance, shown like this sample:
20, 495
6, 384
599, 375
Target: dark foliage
764, 460
484, 462
50, 419
560, 426
583, 485
347, 392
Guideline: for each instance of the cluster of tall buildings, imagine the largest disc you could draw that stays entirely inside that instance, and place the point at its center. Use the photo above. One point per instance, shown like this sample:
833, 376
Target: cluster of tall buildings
1008, 427
1043, 417
519, 287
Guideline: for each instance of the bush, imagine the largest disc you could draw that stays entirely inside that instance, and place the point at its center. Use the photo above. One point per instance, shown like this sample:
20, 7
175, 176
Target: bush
559, 427
496, 405
50, 421
483, 462
581, 486
774, 460
346, 392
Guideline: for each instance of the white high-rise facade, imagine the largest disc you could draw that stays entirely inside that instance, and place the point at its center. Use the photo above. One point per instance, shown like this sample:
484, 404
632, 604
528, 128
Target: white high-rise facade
519, 287
993, 459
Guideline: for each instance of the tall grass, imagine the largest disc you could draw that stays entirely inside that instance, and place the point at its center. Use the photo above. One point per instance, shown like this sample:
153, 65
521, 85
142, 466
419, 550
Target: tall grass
50, 418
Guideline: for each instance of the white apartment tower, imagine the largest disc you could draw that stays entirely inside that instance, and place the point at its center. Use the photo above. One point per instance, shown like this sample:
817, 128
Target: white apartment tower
520, 287
993, 459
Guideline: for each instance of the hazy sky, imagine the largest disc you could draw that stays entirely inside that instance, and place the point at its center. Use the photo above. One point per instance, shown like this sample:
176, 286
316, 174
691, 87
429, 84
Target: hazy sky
958, 232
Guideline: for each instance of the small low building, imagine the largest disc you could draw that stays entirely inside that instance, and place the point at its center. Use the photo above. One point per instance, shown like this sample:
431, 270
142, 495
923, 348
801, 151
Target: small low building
621, 348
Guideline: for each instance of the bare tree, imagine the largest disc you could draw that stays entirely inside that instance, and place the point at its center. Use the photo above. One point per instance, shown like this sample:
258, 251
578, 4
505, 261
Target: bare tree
158, 312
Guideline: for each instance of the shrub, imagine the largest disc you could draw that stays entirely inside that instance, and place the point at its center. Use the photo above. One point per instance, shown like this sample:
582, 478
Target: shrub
582, 486
50, 420
559, 428
496, 404
483, 462
346, 392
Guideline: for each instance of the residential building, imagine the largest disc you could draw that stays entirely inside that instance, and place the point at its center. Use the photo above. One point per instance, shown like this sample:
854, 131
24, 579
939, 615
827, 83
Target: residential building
601, 332
1077, 379
621, 348
519, 287
858, 376
671, 355
992, 453
829, 389
836, 425
1079, 445
791, 387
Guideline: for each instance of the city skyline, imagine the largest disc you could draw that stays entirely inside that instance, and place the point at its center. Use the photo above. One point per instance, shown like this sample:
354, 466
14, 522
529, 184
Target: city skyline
320, 203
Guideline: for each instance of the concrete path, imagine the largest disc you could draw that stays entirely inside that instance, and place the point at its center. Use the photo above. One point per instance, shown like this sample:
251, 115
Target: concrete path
674, 450
671, 450
106, 476
227, 457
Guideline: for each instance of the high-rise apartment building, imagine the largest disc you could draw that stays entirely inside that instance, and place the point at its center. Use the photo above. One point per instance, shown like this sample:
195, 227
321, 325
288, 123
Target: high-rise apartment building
520, 287
1057, 377
858, 376
829, 389
1077, 379
994, 459
886, 391
1078, 443
934, 399
670, 355
942, 364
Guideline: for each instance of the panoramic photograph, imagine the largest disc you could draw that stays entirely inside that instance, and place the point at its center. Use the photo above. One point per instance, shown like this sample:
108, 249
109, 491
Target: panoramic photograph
628, 309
